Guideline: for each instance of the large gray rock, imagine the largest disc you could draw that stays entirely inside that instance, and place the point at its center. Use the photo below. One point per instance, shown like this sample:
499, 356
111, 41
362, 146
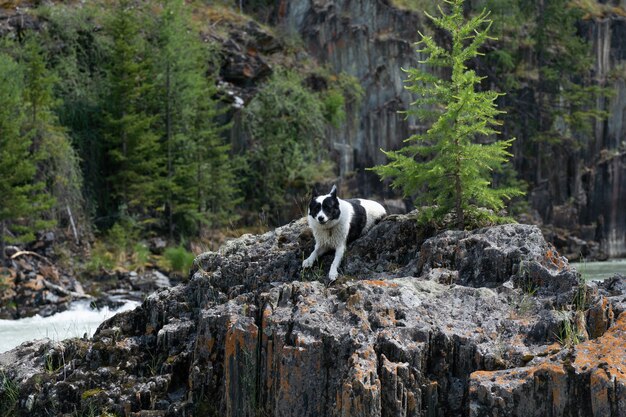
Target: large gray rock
491, 256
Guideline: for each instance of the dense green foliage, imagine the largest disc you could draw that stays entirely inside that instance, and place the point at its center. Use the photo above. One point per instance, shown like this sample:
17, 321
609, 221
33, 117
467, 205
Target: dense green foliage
452, 163
134, 164
24, 198
57, 164
114, 118
200, 183
286, 123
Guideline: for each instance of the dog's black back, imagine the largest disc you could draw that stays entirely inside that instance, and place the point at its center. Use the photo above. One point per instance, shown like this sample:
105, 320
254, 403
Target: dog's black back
358, 221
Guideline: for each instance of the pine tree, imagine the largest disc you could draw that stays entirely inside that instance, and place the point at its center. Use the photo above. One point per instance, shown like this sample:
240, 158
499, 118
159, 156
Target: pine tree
134, 163
450, 166
200, 185
213, 188
57, 165
81, 64
23, 198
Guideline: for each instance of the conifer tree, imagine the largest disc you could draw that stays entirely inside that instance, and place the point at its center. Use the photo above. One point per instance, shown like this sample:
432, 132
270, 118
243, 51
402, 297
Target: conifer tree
450, 166
22, 197
57, 162
199, 187
134, 163
212, 187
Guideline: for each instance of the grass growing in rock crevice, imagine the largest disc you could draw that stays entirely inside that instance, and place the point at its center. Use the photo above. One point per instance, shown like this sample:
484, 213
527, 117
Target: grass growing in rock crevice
9, 395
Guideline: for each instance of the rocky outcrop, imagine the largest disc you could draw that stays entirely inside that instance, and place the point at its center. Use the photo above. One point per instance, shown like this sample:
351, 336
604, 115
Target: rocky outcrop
406, 331
589, 381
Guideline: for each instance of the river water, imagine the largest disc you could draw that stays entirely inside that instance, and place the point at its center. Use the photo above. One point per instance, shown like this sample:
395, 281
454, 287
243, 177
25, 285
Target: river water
75, 322
598, 271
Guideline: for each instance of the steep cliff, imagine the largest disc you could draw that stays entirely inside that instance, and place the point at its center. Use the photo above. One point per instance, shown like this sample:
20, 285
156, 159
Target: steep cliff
406, 331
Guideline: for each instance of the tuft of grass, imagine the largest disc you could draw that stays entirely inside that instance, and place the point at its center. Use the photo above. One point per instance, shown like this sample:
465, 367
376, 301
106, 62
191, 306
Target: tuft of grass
179, 259
580, 298
90, 393
101, 259
9, 394
139, 257
569, 334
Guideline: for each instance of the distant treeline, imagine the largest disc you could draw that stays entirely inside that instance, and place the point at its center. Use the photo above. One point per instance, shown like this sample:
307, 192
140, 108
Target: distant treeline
112, 116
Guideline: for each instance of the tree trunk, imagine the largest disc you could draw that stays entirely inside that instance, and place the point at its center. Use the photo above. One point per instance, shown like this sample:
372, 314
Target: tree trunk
458, 189
540, 95
458, 196
170, 173
2, 242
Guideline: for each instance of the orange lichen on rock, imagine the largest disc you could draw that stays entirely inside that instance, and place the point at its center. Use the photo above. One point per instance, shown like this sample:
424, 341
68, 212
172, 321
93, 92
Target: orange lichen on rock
380, 283
599, 318
607, 351
240, 366
555, 260
361, 392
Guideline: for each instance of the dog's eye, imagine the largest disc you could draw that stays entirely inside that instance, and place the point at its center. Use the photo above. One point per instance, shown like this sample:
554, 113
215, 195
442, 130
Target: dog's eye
314, 207
329, 204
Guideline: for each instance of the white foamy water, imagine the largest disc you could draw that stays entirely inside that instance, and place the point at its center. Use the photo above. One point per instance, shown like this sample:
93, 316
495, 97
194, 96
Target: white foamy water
75, 322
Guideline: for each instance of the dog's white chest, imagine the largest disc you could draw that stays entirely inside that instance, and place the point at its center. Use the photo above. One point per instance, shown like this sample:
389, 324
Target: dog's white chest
332, 237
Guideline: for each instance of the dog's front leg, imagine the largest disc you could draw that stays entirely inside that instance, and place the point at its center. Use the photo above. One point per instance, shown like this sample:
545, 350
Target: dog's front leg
332, 274
317, 252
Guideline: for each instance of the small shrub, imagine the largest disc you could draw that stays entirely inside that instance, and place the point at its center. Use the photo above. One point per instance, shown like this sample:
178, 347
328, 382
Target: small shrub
139, 256
334, 107
101, 259
179, 259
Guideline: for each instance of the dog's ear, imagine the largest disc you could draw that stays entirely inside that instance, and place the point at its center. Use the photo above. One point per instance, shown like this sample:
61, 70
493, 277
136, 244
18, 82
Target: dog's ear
333, 192
314, 192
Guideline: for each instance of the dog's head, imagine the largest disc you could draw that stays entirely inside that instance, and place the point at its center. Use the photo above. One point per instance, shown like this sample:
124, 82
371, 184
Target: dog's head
324, 208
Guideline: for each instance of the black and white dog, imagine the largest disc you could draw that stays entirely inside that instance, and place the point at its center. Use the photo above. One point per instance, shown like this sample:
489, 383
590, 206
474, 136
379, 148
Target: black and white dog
336, 222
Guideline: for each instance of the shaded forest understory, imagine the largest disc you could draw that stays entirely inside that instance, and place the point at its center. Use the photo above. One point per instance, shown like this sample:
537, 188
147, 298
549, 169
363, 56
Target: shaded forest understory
197, 121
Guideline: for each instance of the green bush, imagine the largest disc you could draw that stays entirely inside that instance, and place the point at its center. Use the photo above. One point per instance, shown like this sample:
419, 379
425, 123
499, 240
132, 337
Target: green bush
101, 259
286, 123
179, 259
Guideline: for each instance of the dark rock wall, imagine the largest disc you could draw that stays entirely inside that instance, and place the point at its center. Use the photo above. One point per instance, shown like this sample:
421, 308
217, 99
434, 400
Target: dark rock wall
601, 174
371, 41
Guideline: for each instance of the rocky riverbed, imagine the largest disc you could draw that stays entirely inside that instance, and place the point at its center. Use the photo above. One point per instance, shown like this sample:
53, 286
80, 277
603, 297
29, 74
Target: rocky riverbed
492, 322
33, 284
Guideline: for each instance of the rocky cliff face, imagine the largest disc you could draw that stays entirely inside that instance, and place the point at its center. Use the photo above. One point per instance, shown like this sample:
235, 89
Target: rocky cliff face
600, 177
372, 41
416, 326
